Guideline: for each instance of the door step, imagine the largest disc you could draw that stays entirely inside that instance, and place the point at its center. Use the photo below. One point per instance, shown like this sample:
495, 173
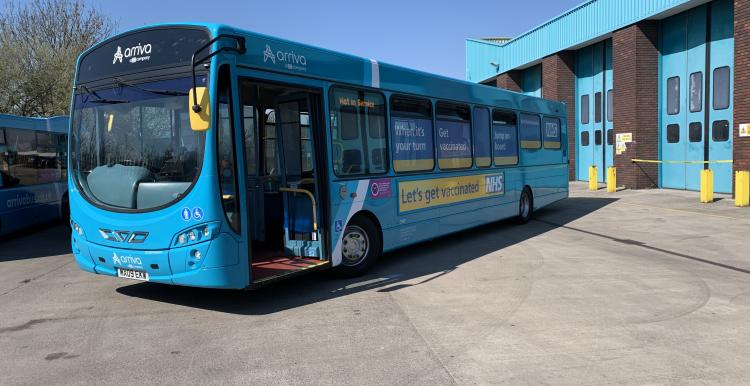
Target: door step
275, 268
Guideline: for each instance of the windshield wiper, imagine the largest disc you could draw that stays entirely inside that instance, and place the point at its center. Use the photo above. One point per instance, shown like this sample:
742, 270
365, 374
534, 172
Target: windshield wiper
100, 99
121, 83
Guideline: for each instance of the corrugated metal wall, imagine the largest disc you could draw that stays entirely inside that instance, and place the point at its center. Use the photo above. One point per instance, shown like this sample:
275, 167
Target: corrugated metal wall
588, 21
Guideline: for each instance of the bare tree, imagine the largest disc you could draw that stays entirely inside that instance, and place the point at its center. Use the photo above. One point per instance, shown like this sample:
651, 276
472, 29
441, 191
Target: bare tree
39, 43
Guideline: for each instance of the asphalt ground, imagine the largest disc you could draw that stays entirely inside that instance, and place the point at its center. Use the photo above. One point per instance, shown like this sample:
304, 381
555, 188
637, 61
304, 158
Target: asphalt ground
630, 287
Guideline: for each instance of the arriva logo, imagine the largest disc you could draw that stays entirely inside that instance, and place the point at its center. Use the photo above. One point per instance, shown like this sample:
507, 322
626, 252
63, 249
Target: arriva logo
139, 53
289, 59
126, 260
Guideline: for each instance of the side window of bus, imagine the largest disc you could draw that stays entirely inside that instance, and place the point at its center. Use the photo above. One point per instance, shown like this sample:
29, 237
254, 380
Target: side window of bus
411, 130
453, 135
48, 163
61, 144
22, 155
531, 135
504, 137
482, 144
226, 157
6, 180
358, 132
551, 133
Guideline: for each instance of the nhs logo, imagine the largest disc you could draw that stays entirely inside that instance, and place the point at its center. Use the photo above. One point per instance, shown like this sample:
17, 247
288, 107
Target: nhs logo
494, 184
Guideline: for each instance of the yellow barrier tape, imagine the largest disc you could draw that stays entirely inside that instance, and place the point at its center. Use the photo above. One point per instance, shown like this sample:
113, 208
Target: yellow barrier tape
651, 161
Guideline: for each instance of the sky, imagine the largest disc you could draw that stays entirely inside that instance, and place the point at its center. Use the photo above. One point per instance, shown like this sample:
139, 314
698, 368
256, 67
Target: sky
427, 36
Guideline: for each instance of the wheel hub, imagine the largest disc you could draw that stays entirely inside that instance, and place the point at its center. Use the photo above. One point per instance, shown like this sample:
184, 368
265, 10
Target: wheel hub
355, 245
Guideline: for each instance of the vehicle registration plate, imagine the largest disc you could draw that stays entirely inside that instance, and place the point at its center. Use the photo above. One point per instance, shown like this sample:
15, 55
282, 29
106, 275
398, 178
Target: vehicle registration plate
132, 274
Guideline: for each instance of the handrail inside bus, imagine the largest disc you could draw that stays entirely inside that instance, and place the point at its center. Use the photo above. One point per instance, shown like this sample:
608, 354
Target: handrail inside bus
312, 201
241, 49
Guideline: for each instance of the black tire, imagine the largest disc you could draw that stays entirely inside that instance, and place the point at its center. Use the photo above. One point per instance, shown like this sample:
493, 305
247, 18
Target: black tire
360, 235
525, 206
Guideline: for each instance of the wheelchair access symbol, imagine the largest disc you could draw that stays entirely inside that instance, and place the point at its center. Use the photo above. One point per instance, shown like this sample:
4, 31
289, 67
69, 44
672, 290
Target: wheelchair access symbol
197, 213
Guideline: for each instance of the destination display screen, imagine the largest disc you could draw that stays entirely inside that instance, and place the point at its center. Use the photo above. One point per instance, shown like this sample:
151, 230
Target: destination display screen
140, 51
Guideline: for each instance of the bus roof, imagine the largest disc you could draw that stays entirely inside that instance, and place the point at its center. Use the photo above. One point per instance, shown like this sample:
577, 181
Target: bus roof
56, 124
283, 56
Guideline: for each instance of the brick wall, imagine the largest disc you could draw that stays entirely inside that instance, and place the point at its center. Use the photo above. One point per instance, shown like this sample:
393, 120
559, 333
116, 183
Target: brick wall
558, 83
741, 82
511, 80
635, 67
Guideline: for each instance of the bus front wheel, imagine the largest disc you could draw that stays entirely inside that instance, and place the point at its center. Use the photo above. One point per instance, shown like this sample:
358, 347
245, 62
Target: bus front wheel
360, 247
525, 206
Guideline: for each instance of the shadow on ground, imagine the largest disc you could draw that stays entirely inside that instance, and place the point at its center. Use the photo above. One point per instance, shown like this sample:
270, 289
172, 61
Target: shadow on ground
391, 273
46, 240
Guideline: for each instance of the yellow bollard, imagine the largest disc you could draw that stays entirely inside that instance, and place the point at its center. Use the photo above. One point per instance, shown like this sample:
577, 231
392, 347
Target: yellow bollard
707, 186
742, 188
611, 179
593, 177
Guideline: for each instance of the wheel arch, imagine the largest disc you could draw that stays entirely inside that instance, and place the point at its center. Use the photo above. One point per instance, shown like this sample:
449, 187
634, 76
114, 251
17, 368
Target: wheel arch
372, 217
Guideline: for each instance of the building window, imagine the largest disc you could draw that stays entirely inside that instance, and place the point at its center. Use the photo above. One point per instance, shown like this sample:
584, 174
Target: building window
585, 109
721, 88
598, 107
720, 131
610, 106
482, 144
584, 138
504, 137
673, 95
411, 130
358, 132
673, 133
696, 92
530, 128
695, 132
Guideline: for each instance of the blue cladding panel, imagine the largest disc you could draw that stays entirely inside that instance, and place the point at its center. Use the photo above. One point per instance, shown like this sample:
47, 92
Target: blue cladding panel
586, 22
532, 81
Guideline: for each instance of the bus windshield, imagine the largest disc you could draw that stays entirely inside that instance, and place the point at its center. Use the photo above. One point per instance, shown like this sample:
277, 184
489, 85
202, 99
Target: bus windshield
132, 147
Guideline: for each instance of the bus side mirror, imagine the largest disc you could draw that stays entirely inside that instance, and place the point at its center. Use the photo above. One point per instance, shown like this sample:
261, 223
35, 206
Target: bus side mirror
200, 110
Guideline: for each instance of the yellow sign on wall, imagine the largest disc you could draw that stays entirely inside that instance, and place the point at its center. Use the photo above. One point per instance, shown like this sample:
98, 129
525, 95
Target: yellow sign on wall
744, 130
434, 192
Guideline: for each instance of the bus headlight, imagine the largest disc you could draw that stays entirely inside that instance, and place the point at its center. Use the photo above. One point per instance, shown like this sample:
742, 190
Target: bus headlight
197, 234
76, 228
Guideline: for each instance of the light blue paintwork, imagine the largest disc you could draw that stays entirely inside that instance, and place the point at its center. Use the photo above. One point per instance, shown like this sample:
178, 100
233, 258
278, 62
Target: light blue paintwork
28, 205
532, 81
722, 54
225, 263
593, 75
682, 53
574, 28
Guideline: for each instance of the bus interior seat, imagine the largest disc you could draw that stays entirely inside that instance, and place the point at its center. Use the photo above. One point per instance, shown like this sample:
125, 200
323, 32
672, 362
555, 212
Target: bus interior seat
352, 161
116, 185
301, 215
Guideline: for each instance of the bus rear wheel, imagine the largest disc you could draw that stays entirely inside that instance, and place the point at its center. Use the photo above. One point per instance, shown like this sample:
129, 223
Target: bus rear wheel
525, 206
360, 247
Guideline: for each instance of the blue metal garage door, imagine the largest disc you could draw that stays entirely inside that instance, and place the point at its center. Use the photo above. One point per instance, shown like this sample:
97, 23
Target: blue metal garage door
690, 96
594, 143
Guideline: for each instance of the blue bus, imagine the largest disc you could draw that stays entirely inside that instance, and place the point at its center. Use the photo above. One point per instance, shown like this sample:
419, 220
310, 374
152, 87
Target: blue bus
203, 155
33, 171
